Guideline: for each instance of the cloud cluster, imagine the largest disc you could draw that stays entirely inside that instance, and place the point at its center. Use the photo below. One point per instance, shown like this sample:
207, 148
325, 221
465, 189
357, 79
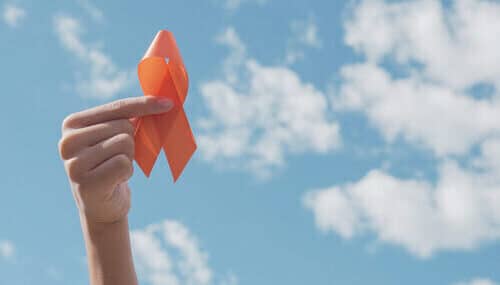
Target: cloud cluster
453, 45
258, 114
427, 114
102, 79
423, 63
445, 52
153, 248
167, 253
459, 211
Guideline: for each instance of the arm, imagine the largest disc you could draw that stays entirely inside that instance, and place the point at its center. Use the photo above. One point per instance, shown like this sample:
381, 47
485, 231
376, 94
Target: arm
108, 252
97, 148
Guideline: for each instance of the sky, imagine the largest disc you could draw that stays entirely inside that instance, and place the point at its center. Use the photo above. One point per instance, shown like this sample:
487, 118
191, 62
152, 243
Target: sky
339, 142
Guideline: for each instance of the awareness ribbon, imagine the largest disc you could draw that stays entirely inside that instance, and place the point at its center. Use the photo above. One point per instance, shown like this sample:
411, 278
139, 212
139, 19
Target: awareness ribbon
162, 73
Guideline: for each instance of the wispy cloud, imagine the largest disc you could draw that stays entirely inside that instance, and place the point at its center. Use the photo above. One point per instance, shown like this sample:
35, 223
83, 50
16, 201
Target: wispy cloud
258, 114
169, 254
444, 53
102, 78
478, 281
7, 249
95, 13
230, 279
54, 273
233, 5
13, 15
305, 34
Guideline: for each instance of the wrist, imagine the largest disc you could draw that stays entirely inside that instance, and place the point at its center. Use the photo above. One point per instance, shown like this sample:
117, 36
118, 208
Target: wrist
109, 252
92, 228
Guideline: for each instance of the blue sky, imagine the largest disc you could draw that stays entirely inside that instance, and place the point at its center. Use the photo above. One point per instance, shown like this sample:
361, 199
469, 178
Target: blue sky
340, 142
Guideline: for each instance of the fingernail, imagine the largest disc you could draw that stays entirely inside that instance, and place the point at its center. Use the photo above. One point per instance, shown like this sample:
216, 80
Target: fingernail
165, 103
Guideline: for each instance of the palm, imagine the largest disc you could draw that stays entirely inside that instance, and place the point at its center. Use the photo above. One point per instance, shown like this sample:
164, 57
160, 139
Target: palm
107, 207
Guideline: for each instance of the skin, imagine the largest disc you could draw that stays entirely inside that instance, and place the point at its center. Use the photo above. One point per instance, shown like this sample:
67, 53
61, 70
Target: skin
97, 147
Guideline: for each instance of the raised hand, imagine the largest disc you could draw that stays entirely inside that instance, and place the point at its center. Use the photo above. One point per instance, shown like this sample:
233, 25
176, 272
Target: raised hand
97, 148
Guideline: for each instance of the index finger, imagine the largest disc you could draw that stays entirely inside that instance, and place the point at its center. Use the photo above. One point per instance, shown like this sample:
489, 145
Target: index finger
121, 109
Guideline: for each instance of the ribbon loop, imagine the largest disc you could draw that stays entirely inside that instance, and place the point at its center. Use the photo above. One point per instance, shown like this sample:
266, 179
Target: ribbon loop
162, 74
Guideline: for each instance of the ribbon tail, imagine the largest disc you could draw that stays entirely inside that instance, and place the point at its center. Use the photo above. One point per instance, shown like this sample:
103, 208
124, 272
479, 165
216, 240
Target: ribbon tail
147, 144
178, 141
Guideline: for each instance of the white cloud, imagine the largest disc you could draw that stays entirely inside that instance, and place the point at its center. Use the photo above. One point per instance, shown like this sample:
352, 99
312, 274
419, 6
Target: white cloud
7, 249
153, 263
445, 52
429, 114
455, 46
478, 281
421, 63
95, 13
193, 262
236, 57
458, 212
304, 35
258, 114
104, 79
232, 5
13, 15
168, 254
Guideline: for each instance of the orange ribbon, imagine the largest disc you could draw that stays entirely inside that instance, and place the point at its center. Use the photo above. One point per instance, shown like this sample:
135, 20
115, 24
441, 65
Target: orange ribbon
162, 73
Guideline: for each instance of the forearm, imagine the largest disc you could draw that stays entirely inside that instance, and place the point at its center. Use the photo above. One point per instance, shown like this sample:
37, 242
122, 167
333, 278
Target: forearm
109, 253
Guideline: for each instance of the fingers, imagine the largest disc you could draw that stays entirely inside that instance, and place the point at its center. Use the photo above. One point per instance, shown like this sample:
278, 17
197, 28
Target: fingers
81, 167
113, 171
97, 145
121, 109
78, 140
97, 154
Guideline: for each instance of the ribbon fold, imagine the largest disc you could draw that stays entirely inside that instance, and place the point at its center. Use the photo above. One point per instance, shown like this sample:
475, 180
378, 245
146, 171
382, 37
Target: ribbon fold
162, 73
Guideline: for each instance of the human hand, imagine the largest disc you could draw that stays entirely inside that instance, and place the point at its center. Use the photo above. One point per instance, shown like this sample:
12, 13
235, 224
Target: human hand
97, 147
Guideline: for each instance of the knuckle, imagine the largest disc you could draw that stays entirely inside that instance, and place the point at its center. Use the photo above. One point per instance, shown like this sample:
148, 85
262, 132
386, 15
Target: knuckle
74, 170
63, 149
69, 121
66, 145
122, 162
119, 104
125, 141
129, 171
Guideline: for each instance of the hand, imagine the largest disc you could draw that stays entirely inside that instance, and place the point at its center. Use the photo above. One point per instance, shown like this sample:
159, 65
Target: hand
97, 147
